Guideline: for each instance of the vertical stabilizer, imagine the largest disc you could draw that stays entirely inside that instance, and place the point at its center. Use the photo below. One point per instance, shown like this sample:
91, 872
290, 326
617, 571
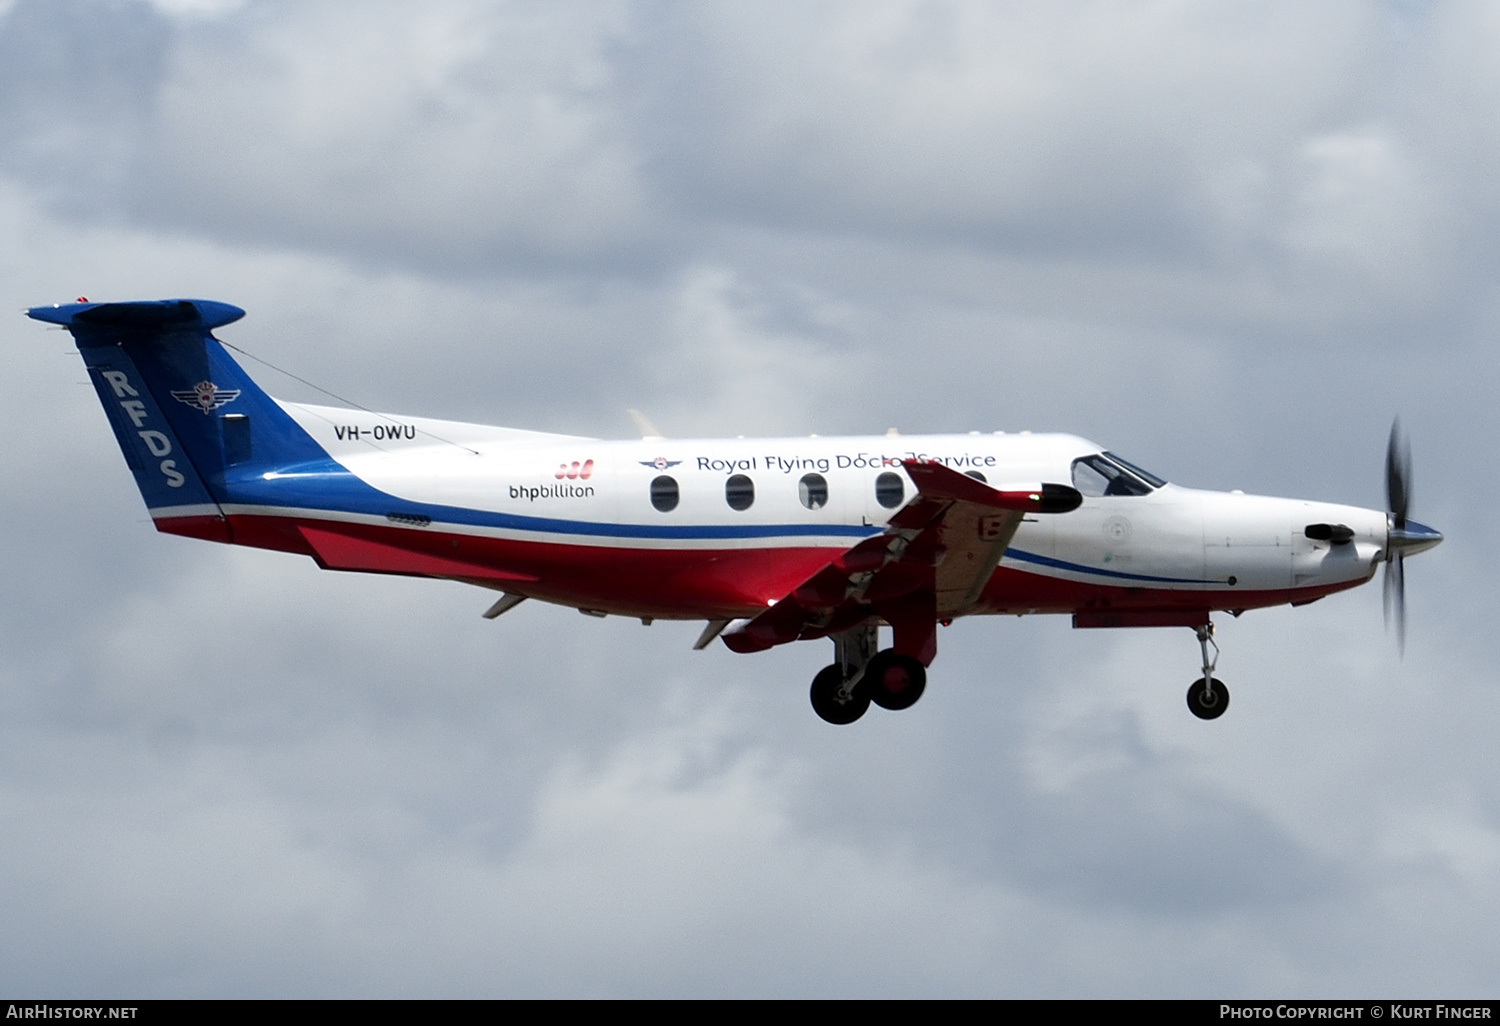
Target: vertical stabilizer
188, 419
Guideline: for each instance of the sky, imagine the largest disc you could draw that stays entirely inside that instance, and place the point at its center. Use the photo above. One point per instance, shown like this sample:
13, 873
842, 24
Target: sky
1230, 242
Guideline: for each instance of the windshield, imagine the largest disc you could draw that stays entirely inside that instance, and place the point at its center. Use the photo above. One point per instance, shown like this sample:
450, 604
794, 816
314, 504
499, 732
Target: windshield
1107, 474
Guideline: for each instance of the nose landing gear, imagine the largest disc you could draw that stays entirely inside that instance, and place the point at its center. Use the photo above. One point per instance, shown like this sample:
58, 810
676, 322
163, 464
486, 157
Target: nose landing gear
1208, 698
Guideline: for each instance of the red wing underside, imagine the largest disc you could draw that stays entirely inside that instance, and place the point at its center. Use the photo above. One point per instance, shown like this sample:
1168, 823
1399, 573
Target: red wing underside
930, 564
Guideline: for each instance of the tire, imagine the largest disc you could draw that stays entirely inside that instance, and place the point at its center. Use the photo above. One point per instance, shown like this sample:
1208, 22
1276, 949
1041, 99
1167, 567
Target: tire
1196, 694
894, 681
825, 700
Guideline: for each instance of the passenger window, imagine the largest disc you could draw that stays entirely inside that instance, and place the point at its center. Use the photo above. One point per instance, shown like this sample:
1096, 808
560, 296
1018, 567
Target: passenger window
889, 490
739, 492
664, 493
813, 491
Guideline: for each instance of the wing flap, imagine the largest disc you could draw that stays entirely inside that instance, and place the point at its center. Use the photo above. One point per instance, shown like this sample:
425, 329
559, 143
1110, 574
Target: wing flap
935, 555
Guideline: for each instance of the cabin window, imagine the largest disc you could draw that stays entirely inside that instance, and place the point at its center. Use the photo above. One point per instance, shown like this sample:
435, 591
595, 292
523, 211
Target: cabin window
889, 490
1107, 474
664, 494
739, 492
236, 438
976, 475
813, 491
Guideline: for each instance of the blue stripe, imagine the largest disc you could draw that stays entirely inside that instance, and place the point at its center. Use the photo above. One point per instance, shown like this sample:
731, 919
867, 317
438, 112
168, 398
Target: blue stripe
1060, 564
326, 485
513, 522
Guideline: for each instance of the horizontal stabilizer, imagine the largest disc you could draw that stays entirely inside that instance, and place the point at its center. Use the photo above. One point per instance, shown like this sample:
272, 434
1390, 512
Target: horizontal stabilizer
155, 314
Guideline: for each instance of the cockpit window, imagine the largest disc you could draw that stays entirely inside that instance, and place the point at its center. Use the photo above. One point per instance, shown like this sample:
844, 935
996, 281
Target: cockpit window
1107, 474
1145, 475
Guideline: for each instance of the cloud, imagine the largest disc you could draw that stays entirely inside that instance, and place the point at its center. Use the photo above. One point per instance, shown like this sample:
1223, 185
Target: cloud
462, 135
467, 136
1081, 127
197, 8
467, 133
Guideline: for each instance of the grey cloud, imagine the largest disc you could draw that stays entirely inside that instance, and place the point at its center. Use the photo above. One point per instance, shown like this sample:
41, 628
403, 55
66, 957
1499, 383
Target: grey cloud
78, 83
470, 136
1083, 127
458, 136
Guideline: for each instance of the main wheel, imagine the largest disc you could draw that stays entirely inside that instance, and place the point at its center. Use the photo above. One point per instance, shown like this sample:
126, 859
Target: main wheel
1205, 704
825, 697
894, 681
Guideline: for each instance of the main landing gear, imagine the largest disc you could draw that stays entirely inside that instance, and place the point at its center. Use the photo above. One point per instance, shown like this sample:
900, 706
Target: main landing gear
859, 675
1208, 697
835, 699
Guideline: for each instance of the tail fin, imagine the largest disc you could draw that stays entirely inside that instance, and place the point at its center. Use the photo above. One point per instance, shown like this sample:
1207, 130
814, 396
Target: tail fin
188, 419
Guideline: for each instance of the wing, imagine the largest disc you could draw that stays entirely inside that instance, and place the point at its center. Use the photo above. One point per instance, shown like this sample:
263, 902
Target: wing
931, 563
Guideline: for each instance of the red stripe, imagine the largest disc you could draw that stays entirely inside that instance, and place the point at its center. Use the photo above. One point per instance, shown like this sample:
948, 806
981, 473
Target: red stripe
693, 584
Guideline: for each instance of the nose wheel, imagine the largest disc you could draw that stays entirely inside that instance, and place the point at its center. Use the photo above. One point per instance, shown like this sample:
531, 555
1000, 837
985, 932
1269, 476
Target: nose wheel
1208, 698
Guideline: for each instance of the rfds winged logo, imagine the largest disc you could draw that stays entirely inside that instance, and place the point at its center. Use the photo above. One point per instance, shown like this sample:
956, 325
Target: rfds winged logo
206, 396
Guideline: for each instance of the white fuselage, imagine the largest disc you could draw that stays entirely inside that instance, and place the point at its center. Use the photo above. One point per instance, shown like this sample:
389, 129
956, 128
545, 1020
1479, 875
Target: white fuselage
554, 490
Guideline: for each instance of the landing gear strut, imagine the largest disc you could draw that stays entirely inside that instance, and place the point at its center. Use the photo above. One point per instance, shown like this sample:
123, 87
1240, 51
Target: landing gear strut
842, 691
1208, 697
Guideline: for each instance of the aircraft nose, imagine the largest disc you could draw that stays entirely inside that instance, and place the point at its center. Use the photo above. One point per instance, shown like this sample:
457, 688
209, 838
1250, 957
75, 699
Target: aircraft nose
1411, 538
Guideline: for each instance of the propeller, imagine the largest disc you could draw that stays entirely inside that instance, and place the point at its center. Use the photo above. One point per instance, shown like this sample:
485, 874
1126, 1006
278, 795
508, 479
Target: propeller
1397, 500
1404, 537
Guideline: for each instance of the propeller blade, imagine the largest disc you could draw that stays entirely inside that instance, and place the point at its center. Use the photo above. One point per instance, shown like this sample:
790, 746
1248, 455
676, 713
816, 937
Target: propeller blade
1395, 599
1398, 474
